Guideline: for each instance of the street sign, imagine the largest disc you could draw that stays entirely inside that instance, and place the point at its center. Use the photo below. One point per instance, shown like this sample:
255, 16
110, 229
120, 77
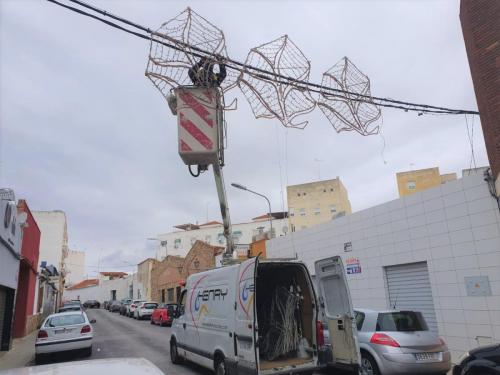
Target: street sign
199, 117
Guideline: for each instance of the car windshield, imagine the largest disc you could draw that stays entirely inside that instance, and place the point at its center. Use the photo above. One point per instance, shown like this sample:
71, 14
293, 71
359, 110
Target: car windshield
150, 305
401, 321
65, 320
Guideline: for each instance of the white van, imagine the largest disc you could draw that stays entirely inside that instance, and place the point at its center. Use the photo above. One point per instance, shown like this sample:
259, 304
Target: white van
262, 317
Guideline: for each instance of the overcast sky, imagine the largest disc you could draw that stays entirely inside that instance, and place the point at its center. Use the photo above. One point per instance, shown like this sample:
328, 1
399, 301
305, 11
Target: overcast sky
84, 131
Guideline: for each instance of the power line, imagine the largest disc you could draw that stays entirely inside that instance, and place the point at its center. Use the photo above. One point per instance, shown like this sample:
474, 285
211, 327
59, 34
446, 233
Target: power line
328, 92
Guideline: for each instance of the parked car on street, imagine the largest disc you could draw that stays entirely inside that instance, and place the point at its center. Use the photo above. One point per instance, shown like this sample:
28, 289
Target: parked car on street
164, 314
109, 303
63, 332
484, 360
93, 366
92, 304
144, 310
231, 321
399, 342
123, 308
115, 306
131, 308
70, 307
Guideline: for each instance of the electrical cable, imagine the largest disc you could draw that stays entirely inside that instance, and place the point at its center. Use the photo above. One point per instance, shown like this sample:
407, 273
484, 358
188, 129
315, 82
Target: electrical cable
194, 174
262, 74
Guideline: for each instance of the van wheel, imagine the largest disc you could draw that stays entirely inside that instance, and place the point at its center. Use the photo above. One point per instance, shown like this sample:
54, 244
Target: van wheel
220, 366
174, 353
368, 364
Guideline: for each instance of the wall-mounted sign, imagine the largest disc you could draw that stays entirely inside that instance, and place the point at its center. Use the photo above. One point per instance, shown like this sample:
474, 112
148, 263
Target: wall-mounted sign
347, 246
477, 286
353, 265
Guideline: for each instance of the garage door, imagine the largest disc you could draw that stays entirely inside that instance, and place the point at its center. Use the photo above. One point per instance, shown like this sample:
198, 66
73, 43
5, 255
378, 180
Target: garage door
410, 289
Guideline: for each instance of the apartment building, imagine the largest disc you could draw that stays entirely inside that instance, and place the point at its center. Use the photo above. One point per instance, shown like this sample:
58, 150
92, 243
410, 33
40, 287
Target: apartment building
411, 182
180, 241
316, 202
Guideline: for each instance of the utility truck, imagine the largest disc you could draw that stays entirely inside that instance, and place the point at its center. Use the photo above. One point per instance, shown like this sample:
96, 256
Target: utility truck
263, 317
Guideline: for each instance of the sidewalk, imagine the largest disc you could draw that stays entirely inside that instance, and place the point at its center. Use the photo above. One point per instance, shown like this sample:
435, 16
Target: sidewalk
22, 352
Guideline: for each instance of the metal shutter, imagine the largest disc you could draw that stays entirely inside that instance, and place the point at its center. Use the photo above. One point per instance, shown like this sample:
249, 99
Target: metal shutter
410, 289
3, 297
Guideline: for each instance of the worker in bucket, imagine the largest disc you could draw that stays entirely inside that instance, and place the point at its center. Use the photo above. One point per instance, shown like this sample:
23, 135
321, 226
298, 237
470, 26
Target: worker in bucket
202, 73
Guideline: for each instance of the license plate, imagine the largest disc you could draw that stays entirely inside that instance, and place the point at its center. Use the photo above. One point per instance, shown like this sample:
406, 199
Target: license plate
429, 356
59, 331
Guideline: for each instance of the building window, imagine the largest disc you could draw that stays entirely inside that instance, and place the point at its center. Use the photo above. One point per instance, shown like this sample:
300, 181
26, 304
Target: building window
163, 295
302, 212
177, 243
331, 189
237, 235
317, 211
333, 209
163, 243
220, 238
298, 194
303, 193
411, 185
291, 211
170, 295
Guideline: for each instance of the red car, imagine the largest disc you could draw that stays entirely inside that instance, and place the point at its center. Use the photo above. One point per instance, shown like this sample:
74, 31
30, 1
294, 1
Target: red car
164, 314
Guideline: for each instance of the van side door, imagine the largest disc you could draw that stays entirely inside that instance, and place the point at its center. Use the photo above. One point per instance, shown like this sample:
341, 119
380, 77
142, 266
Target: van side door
245, 330
336, 306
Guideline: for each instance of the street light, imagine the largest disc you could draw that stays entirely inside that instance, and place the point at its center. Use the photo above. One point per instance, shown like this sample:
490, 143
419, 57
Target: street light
242, 187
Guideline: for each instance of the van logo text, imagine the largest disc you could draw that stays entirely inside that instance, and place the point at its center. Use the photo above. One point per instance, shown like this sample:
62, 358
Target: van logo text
209, 294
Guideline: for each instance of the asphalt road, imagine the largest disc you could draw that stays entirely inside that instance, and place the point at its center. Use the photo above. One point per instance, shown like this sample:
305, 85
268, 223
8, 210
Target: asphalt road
120, 336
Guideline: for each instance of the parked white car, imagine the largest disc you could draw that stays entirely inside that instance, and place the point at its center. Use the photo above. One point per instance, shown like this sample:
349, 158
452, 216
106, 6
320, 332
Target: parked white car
63, 332
95, 366
131, 308
145, 310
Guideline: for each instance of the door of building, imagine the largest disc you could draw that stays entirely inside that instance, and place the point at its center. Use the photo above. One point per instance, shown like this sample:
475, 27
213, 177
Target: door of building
3, 297
409, 288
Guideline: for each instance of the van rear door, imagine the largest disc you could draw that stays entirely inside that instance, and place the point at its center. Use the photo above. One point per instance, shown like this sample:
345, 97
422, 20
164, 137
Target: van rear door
336, 306
244, 335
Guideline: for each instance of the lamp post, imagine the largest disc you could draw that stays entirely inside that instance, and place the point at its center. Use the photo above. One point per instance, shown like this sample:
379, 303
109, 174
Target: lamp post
242, 187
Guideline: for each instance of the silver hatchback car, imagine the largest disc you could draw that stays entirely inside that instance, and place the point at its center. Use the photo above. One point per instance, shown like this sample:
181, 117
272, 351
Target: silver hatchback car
399, 342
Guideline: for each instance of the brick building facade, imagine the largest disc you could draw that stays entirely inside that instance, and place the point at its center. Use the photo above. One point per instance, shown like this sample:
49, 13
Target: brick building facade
167, 275
481, 30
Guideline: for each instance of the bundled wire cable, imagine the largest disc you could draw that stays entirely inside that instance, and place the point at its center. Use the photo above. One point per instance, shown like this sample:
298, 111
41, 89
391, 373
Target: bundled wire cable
284, 331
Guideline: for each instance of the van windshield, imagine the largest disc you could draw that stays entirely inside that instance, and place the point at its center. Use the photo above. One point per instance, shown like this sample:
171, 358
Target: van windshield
401, 321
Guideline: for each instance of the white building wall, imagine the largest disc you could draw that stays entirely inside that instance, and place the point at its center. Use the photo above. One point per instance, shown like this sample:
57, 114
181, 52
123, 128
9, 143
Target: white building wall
75, 267
213, 236
102, 292
455, 228
53, 238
